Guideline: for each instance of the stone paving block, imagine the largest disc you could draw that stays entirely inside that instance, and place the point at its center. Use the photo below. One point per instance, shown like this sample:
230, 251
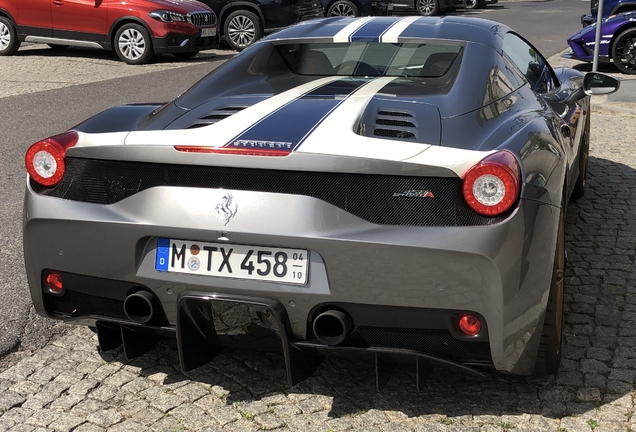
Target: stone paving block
87, 407
105, 418
9, 399
43, 417
148, 416
160, 398
66, 422
25, 428
192, 417
25, 388
225, 415
130, 426
191, 392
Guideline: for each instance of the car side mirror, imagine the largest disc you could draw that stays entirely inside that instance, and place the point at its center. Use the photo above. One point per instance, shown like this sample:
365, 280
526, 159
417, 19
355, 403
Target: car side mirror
597, 83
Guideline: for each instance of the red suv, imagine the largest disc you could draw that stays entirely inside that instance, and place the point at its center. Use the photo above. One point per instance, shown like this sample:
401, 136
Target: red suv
135, 29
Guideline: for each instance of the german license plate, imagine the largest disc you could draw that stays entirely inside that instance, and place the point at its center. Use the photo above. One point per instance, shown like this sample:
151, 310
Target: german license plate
232, 261
207, 32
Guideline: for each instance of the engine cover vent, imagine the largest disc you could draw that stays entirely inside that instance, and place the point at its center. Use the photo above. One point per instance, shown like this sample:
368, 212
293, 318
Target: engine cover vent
400, 124
217, 115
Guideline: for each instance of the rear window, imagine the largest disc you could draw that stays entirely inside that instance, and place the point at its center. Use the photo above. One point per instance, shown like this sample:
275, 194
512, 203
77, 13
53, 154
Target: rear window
430, 60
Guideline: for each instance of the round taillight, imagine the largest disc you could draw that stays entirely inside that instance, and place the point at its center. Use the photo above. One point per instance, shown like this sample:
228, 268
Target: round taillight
54, 282
469, 324
492, 186
44, 160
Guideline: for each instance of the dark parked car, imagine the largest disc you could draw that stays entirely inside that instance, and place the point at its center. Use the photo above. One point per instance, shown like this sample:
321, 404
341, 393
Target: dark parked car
382, 185
243, 22
617, 44
136, 29
356, 8
610, 8
424, 7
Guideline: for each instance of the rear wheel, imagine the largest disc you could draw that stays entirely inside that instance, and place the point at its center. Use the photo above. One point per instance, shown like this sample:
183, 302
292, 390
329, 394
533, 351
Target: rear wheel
471, 4
624, 51
133, 44
427, 7
9, 42
343, 8
242, 29
584, 157
549, 356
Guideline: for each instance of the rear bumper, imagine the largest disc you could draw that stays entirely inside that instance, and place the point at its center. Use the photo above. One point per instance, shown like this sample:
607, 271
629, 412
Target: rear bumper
395, 282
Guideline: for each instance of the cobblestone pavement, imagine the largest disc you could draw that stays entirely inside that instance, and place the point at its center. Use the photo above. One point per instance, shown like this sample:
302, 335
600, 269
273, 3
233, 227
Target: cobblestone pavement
68, 385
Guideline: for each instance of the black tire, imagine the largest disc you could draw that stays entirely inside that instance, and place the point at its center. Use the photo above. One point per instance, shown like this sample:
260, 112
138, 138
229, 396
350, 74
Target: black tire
584, 157
241, 29
9, 42
472, 4
133, 44
185, 55
427, 7
549, 356
57, 47
624, 51
343, 8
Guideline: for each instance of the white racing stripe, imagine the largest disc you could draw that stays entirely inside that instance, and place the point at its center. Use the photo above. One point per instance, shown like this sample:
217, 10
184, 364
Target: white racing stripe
392, 35
344, 34
336, 135
219, 134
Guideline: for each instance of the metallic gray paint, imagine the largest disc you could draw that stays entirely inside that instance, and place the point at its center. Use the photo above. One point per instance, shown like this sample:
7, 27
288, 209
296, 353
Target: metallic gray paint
476, 268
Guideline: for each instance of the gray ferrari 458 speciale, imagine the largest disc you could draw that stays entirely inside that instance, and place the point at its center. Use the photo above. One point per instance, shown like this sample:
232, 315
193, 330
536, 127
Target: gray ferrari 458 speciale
390, 185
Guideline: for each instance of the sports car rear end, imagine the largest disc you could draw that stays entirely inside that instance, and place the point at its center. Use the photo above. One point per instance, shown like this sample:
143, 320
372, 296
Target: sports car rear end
334, 209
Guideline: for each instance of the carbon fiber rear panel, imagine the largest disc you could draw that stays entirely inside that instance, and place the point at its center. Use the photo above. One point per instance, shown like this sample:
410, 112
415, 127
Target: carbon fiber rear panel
380, 199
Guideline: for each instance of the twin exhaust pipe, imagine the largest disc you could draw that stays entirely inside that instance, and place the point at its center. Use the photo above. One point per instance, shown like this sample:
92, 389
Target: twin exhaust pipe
330, 327
141, 307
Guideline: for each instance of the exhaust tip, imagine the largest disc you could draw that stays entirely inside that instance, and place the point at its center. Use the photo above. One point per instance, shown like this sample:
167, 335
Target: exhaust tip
141, 307
332, 327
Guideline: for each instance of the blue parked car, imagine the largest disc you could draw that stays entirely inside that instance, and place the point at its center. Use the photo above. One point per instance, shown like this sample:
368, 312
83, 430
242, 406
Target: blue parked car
610, 8
618, 43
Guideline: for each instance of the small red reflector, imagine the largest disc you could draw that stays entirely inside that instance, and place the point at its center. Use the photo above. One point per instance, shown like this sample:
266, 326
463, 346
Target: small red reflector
233, 151
54, 282
469, 324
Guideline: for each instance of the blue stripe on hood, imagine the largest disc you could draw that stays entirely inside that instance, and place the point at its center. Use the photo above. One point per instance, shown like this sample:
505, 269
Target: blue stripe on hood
287, 127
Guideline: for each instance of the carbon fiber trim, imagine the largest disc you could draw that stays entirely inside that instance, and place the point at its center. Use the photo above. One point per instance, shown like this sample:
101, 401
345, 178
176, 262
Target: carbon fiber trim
380, 199
435, 342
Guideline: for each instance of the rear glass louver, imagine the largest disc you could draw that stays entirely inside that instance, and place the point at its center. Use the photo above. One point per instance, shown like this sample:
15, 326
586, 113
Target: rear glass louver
400, 124
216, 116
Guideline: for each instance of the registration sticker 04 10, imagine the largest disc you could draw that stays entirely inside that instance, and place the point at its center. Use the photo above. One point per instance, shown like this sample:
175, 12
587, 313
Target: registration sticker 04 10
233, 261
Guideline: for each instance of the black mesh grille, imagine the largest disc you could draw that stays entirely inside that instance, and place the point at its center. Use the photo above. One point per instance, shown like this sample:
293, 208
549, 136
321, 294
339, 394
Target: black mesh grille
381, 199
395, 113
394, 123
77, 304
393, 133
435, 342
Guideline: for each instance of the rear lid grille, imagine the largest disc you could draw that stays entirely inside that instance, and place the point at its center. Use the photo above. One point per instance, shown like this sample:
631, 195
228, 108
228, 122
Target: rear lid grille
216, 116
400, 124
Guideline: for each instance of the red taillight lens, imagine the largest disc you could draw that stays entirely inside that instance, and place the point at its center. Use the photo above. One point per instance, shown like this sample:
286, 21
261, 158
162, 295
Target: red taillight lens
54, 282
234, 151
469, 324
492, 186
44, 160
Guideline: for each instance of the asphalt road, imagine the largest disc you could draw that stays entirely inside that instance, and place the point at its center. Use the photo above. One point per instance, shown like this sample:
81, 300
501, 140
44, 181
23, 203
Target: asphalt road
42, 93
